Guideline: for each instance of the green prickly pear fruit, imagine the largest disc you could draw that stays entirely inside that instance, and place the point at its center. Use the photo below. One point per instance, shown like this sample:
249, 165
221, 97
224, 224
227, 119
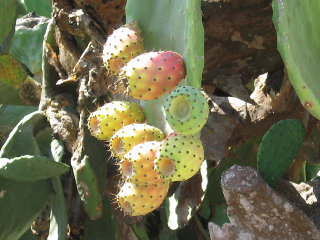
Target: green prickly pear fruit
128, 136
153, 74
109, 118
186, 110
138, 164
122, 45
135, 200
179, 157
11, 72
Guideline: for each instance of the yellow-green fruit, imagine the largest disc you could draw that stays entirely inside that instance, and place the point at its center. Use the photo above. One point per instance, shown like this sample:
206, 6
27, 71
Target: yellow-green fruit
128, 136
135, 200
179, 157
122, 45
108, 119
138, 164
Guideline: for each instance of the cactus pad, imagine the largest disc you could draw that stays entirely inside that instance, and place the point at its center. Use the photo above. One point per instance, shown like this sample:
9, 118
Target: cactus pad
297, 25
278, 149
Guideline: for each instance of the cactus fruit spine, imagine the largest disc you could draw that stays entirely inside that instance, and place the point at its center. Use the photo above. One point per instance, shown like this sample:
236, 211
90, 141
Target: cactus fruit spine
297, 24
186, 110
128, 136
109, 118
179, 157
153, 74
122, 45
138, 164
137, 200
278, 148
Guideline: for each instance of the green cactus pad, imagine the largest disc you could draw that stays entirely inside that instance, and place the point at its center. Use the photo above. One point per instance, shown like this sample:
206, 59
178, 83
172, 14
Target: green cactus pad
297, 24
184, 34
179, 157
31, 168
21, 202
7, 18
87, 185
278, 148
187, 110
11, 72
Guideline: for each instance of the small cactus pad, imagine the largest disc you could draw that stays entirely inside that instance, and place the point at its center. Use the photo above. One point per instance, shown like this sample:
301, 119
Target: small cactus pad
108, 119
278, 148
153, 74
135, 200
179, 157
128, 136
186, 110
138, 164
11, 72
122, 45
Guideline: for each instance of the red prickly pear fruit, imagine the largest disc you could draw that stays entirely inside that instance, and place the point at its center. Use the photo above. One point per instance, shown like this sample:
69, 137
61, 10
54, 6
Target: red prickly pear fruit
122, 45
153, 74
138, 164
186, 110
128, 136
136, 200
108, 119
179, 157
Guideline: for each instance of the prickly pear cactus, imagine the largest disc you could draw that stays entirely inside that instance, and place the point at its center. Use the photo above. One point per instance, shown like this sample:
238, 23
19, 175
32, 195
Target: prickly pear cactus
184, 35
142, 199
186, 110
278, 149
137, 166
179, 157
297, 25
133, 134
122, 45
109, 118
153, 74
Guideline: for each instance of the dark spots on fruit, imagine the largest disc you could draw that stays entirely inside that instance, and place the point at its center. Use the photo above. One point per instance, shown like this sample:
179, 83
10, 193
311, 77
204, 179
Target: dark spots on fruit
149, 89
169, 78
164, 90
178, 162
164, 59
143, 206
184, 166
154, 79
179, 175
145, 68
127, 45
151, 196
159, 68
187, 152
141, 166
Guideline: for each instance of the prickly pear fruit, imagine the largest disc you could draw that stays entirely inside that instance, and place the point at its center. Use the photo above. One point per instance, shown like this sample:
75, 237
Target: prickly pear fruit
128, 136
135, 200
138, 164
109, 118
186, 110
122, 45
179, 157
153, 74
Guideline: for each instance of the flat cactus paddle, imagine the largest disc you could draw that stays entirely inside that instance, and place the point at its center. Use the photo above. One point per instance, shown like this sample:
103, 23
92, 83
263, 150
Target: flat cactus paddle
278, 148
